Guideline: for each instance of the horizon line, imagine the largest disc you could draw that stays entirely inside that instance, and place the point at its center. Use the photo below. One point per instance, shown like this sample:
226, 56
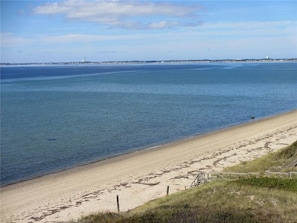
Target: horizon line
154, 61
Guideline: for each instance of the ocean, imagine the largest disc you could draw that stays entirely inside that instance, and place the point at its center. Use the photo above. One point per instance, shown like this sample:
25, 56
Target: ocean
57, 117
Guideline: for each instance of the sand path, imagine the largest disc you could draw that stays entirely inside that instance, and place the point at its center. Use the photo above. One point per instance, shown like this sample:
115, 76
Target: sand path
142, 176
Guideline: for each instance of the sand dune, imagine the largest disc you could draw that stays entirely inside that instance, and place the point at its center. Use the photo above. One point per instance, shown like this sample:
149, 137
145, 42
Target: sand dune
142, 176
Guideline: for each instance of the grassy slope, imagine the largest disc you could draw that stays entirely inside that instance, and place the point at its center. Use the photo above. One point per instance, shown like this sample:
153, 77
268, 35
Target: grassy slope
272, 161
246, 200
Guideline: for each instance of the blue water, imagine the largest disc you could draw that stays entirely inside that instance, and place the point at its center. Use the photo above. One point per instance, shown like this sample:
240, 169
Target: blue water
57, 117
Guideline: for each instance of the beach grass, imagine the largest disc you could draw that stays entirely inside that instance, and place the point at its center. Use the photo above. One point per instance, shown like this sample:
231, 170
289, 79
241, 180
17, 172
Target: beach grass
259, 199
215, 202
272, 161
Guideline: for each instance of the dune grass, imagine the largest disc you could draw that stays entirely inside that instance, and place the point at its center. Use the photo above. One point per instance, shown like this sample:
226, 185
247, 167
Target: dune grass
255, 200
271, 161
273, 183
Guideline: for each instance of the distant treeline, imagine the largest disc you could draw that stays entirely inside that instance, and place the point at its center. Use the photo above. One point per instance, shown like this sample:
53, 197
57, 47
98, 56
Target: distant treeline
154, 61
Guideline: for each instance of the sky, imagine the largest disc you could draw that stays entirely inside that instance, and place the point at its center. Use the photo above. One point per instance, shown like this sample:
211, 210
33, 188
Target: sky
120, 30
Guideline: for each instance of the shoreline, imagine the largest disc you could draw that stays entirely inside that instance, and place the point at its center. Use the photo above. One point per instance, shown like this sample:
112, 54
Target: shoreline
142, 175
143, 149
279, 60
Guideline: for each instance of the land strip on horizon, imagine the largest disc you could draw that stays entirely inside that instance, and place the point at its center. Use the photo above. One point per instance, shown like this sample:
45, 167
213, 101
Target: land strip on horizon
155, 61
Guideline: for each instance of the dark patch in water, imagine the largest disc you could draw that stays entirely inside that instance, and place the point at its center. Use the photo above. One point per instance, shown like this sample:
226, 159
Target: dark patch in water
51, 139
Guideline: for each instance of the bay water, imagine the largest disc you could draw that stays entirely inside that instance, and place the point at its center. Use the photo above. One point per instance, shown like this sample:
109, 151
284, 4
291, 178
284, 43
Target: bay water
58, 117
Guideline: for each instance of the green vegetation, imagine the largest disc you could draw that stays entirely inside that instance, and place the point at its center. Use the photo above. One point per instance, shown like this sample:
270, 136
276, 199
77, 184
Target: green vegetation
253, 199
273, 161
273, 183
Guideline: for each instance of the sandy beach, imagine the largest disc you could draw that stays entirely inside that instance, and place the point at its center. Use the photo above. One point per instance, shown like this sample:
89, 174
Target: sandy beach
142, 176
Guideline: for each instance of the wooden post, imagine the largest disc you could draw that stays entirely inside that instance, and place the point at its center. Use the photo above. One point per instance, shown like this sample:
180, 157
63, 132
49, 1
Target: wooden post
118, 203
167, 191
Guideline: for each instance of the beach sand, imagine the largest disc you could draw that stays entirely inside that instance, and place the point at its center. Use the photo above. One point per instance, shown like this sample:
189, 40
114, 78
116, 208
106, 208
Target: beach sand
144, 175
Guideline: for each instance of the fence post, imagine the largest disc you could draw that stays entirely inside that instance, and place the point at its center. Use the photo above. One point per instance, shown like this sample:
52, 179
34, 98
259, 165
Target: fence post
167, 191
118, 203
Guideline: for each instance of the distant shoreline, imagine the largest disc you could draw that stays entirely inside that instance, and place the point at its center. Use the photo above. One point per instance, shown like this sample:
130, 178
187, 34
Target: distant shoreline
154, 61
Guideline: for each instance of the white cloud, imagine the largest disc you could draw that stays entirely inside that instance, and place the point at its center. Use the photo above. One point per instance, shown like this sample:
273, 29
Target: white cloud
77, 38
125, 14
224, 31
162, 24
237, 30
10, 39
250, 25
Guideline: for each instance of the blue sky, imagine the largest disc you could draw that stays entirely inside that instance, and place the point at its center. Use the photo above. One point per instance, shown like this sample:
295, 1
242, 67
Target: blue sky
104, 30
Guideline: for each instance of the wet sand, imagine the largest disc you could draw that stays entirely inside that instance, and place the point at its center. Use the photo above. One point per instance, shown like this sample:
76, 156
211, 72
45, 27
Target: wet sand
144, 175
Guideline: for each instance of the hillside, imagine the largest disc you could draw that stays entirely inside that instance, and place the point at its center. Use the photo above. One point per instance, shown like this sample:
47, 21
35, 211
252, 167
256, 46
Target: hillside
254, 199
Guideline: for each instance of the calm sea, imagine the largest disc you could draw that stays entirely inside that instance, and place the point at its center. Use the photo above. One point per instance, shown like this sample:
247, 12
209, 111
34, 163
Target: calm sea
57, 117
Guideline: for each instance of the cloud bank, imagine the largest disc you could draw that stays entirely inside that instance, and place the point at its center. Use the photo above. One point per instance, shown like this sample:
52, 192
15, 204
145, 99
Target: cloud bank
229, 30
125, 14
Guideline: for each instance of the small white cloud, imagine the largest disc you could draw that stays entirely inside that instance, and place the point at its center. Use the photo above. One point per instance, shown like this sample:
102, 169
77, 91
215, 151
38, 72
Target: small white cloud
123, 14
76, 38
10, 39
161, 24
